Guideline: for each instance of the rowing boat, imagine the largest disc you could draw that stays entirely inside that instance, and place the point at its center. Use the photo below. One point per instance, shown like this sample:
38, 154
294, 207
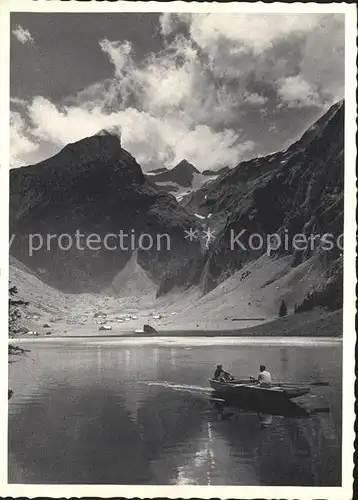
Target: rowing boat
249, 390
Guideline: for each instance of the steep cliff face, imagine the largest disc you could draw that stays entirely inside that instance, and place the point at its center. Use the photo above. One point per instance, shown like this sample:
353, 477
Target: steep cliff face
89, 190
296, 191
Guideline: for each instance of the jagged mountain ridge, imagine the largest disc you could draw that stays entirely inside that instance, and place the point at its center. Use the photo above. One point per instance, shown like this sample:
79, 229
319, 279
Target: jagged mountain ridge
96, 187
221, 171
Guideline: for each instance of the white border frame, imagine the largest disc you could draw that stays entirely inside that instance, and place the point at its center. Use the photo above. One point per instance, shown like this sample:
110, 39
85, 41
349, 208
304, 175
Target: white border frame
344, 492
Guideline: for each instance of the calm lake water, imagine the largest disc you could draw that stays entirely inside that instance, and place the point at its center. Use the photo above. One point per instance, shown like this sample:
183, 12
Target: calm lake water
138, 411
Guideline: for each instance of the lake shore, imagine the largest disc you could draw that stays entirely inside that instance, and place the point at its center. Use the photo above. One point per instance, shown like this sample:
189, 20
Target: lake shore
309, 324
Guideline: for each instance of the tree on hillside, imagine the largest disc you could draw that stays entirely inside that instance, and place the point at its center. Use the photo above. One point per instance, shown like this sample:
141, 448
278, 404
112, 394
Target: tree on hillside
15, 306
283, 309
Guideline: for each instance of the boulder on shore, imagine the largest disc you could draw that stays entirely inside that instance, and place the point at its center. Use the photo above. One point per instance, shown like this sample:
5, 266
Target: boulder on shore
99, 315
105, 327
149, 329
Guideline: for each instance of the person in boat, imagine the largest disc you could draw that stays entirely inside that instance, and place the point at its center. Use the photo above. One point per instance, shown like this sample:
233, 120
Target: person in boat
264, 377
222, 375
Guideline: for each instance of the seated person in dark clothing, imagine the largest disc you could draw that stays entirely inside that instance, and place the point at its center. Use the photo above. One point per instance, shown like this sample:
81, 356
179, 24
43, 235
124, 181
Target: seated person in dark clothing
219, 370
221, 375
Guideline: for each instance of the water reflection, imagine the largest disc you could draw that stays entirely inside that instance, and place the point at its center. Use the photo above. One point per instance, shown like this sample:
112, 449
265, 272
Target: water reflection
265, 410
103, 414
86, 435
265, 419
284, 362
276, 407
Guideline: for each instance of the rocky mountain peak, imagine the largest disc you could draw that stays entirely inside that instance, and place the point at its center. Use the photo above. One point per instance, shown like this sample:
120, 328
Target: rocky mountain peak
185, 166
98, 188
90, 157
114, 131
182, 174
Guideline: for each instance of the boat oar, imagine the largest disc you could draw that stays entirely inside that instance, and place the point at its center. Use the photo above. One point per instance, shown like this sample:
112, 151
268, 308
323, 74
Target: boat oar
319, 384
305, 384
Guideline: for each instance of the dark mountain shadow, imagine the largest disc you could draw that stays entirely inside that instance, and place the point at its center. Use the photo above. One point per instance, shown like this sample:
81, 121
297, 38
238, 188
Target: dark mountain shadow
94, 441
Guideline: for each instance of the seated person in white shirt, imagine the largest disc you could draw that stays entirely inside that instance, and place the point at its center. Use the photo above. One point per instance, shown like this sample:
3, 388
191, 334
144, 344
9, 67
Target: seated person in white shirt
264, 377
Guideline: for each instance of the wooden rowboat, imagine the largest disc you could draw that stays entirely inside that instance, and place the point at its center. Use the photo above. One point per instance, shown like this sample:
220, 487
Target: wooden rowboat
249, 390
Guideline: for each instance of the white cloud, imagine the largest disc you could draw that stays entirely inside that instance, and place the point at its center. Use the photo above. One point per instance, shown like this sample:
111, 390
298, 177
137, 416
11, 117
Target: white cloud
119, 54
175, 113
239, 44
22, 35
193, 98
60, 126
166, 21
220, 149
152, 140
298, 93
17, 101
255, 31
322, 62
171, 21
20, 144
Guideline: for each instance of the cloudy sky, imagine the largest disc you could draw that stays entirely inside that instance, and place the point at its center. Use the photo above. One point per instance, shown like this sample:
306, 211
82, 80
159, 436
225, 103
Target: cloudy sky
212, 88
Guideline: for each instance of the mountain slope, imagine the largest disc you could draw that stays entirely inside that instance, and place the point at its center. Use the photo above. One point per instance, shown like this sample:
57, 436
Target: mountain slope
252, 295
299, 190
